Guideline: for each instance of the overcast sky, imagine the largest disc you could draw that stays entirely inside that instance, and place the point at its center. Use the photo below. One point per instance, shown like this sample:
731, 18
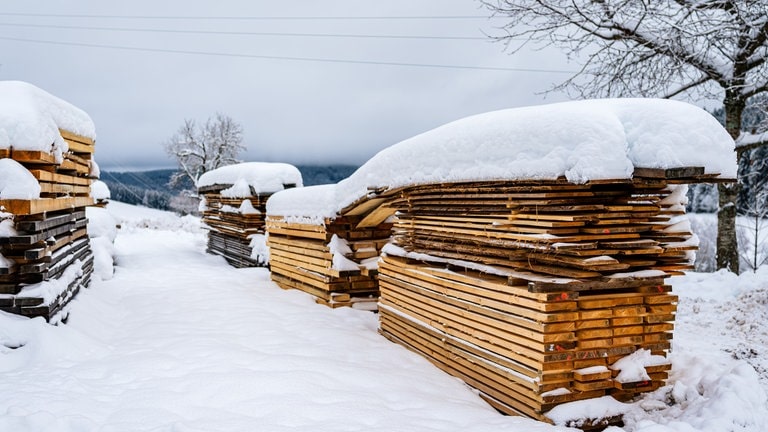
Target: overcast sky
296, 111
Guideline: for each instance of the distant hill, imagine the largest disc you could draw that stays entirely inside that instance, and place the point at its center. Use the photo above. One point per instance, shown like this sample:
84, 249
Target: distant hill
150, 188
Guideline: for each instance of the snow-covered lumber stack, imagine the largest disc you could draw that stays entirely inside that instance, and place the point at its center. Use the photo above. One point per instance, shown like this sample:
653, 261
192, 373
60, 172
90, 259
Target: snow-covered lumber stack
46, 150
332, 256
233, 205
541, 285
537, 269
532, 247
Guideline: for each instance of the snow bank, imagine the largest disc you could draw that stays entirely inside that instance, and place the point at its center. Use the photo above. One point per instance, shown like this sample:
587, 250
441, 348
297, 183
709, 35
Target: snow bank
30, 119
16, 182
102, 230
261, 177
583, 140
131, 218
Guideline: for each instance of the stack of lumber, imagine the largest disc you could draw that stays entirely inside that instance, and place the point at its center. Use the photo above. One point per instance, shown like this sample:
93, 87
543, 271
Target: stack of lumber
530, 291
48, 252
62, 185
334, 261
233, 207
529, 253
231, 224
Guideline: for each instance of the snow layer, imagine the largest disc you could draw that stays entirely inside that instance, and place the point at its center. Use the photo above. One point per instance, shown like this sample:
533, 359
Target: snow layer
7, 226
263, 177
16, 182
339, 247
583, 140
100, 190
311, 204
259, 248
632, 367
102, 230
30, 119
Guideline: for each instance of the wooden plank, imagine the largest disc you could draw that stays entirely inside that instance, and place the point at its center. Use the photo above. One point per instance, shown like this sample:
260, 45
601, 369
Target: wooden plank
63, 189
46, 176
70, 136
42, 205
33, 157
668, 173
79, 147
317, 266
376, 217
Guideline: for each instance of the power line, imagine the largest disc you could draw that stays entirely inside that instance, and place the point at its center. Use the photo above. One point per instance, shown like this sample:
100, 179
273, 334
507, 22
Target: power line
289, 58
242, 33
251, 18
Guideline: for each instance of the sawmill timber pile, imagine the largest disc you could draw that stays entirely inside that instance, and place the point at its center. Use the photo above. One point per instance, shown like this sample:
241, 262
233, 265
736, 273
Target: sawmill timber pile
49, 251
531, 248
334, 261
47, 156
229, 228
531, 291
233, 207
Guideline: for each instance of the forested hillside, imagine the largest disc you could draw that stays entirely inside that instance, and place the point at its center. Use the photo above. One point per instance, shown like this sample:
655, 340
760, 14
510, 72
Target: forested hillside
150, 188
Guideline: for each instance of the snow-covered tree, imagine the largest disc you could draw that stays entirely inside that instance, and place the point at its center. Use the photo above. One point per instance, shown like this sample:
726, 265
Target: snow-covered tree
698, 48
202, 149
753, 206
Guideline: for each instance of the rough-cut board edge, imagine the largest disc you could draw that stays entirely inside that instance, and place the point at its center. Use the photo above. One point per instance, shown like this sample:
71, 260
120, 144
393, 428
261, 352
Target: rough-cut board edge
45, 176
29, 156
604, 283
52, 312
380, 196
51, 221
43, 205
668, 173
67, 135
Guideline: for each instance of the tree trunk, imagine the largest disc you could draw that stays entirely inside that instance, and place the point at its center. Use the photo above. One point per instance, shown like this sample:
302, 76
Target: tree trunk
727, 244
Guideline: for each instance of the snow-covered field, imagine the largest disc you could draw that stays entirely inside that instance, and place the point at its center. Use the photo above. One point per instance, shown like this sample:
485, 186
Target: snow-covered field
179, 341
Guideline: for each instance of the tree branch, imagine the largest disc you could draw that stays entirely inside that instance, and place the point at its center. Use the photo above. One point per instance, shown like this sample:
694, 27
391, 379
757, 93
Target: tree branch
704, 79
749, 141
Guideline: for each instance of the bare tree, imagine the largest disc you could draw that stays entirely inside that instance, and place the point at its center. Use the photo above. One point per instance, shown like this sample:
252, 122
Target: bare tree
663, 48
202, 149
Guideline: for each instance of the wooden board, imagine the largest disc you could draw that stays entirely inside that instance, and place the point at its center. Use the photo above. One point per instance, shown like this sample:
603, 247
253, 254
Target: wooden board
69, 136
37, 206
31, 157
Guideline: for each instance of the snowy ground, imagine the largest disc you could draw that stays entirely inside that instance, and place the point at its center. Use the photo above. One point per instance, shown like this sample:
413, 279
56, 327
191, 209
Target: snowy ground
179, 341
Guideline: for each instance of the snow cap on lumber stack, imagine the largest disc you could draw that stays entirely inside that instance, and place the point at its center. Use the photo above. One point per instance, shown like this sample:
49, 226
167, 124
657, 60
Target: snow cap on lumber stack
30, 119
251, 177
581, 141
